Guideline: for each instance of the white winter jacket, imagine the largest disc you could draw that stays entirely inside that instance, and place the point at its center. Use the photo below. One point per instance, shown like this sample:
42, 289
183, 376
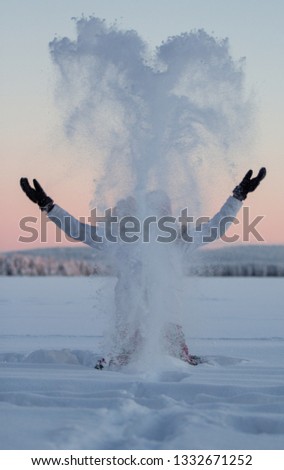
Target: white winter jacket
149, 274
95, 237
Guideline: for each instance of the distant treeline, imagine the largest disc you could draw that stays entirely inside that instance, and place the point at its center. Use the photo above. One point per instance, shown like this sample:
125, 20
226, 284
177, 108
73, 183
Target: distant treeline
236, 261
243, 270
25, 265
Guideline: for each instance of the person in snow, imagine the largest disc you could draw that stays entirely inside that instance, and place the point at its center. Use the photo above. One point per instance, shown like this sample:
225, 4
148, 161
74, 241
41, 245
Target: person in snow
133, 290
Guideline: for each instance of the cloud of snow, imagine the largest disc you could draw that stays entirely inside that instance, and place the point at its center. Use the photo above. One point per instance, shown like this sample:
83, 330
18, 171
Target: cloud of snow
166, 119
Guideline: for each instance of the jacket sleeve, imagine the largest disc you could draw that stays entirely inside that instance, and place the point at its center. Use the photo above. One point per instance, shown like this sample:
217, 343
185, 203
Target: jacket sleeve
216, 227
85, 233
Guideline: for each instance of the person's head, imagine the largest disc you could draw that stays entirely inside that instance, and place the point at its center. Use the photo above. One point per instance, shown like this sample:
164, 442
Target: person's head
125, 207
158, 203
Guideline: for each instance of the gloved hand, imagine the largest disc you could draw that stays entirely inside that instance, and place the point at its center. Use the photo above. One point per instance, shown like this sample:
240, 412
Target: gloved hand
37, 194
248, 184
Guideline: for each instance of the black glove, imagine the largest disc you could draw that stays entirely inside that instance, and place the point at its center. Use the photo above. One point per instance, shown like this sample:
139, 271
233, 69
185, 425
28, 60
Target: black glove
248, 184
37, 194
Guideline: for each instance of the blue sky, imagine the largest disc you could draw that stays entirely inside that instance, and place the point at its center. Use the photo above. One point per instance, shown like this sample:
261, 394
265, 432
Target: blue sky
29, 118
254, 28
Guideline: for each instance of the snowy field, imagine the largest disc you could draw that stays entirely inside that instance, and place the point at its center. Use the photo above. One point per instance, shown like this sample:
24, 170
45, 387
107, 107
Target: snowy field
51, 397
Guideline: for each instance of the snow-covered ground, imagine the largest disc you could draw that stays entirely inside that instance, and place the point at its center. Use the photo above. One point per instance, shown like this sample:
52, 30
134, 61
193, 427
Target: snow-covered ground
51, 397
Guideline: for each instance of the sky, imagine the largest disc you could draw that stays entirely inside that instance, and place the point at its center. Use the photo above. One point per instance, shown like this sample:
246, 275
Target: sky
32, 140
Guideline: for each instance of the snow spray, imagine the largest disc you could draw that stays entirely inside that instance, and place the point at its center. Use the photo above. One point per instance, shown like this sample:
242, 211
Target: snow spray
155, 122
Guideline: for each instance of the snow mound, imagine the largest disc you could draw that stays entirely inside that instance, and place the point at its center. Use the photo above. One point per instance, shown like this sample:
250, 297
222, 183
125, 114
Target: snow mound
43, 356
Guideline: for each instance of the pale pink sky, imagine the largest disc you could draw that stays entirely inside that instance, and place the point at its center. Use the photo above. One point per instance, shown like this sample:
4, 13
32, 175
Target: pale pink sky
72, 189
67, 175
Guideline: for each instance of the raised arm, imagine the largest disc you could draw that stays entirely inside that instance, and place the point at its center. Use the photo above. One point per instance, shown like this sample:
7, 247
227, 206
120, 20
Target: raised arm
216, 227
75, 229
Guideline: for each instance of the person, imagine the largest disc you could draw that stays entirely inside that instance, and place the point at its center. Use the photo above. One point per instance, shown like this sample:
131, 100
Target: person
131, 300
